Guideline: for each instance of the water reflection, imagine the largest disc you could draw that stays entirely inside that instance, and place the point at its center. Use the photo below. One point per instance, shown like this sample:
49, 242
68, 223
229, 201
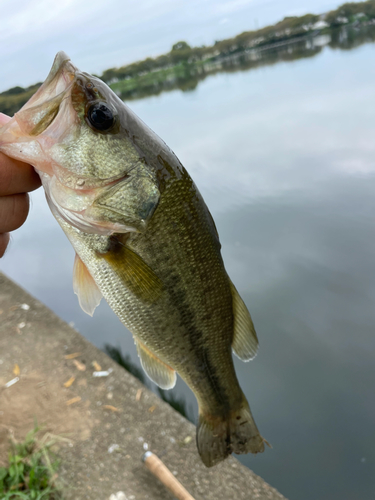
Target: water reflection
284, 157
317, 318
189, 75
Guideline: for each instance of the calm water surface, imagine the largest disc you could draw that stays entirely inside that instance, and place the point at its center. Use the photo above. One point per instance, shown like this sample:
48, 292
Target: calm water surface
284, 156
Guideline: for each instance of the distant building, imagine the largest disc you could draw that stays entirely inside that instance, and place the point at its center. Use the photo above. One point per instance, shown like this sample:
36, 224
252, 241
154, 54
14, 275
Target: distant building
320, 25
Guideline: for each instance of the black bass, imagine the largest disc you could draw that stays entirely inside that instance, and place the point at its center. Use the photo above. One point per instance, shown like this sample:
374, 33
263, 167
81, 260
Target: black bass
145, 241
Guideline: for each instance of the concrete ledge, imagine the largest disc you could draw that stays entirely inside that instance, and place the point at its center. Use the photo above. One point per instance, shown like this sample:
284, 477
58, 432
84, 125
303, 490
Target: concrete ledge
110, 421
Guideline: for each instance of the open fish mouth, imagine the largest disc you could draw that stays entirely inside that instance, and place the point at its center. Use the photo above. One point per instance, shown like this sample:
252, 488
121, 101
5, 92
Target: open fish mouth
58, 80
40, 111
24, 137
47, 119
64, 131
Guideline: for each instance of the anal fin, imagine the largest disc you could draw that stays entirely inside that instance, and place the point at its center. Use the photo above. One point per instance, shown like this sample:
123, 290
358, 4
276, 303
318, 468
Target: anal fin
85, 288
245, 340
159, 372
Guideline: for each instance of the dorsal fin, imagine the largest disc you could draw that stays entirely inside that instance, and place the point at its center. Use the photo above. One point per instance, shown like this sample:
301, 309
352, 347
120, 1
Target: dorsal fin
159, 372
84, 286
245, 340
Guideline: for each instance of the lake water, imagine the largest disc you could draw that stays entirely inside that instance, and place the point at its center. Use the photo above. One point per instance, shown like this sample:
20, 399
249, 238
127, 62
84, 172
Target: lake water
284, 156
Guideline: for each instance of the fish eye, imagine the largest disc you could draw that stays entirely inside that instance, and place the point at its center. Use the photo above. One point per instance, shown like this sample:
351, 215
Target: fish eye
100, 116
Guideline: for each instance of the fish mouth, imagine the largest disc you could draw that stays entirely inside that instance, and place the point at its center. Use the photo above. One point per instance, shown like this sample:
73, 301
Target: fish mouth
62, 66
41, 131
59, 79
51, 113
41, 110
33, 129
74, 207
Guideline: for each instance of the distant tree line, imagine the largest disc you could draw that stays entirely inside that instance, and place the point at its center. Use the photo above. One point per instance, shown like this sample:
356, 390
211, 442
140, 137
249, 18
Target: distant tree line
289, 27
182, 52
351, 12
13, 99
182, 55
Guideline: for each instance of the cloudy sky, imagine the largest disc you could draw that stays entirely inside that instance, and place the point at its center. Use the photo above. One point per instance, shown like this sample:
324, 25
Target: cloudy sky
99, 34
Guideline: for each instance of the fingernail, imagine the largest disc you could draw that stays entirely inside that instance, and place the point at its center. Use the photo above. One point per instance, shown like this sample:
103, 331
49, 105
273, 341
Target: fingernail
4, 243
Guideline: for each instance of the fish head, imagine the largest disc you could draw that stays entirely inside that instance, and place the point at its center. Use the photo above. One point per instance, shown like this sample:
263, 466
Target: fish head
79, 136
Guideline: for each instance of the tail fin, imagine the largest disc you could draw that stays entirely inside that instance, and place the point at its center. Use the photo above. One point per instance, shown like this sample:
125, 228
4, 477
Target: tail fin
218, 436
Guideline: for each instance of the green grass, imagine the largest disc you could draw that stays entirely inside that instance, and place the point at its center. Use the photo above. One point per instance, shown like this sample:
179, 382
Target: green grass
30, 474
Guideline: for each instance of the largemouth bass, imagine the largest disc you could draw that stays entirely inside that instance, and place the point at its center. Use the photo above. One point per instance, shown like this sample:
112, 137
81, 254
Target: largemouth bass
145, 241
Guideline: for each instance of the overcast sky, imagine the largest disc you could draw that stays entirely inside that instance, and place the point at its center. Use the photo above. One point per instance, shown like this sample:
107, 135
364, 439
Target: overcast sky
99, 34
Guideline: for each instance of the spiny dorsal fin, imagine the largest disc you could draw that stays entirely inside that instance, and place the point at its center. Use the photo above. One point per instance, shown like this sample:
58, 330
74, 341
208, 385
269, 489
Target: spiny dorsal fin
159, 372
245, 340
84, 286
136, 275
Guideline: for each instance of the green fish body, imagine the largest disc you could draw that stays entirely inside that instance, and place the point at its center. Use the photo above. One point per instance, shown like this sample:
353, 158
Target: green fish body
145, 240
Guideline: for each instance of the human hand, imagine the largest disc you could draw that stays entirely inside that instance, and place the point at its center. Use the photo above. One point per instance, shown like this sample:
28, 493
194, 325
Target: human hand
16, 180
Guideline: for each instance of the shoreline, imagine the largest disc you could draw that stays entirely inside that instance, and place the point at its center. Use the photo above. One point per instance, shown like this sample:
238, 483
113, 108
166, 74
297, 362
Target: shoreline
107, 421
184, 66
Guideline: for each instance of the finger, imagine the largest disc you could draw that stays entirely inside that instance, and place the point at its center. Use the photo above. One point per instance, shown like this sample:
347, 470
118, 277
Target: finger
13, 211
4, 240
16, 176
4, 119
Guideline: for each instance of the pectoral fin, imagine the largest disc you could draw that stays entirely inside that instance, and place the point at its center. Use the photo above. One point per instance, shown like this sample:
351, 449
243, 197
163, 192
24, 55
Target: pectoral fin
158, 371
134, 272
245, 340
84, 286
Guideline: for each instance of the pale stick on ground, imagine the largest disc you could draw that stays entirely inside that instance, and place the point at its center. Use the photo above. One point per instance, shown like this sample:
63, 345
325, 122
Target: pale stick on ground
159, 470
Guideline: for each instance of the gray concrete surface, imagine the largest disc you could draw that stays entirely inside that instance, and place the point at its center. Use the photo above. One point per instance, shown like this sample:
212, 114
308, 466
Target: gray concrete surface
107, 422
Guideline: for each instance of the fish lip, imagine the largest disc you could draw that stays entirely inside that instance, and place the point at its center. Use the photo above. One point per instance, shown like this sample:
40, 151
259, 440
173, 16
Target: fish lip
77, 218
81, 184
23, 127
60, 78
62, 61
62, 70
